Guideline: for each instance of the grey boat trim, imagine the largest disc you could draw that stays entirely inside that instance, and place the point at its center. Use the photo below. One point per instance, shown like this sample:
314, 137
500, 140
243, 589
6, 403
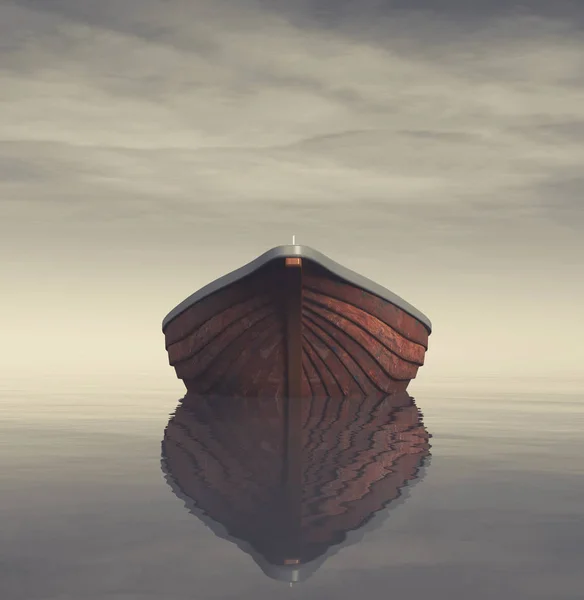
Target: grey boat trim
309, 254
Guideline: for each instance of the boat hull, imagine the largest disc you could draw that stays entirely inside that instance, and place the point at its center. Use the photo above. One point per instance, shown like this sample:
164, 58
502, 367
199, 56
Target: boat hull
292, 327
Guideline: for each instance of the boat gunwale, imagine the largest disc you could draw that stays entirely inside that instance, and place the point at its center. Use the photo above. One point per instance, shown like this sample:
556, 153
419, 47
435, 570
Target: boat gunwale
310, 254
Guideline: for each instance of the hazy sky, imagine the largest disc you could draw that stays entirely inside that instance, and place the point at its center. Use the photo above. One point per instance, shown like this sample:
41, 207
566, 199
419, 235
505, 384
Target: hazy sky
146, 147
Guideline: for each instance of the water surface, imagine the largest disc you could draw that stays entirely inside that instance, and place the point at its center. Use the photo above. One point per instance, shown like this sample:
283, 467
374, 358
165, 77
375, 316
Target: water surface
88, 513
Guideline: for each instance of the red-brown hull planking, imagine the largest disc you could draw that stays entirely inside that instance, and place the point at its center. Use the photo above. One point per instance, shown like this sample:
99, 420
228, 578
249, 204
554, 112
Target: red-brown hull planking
294, 328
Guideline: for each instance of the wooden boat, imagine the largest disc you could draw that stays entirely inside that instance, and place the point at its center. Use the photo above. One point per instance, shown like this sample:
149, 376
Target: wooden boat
291, 492
293, 322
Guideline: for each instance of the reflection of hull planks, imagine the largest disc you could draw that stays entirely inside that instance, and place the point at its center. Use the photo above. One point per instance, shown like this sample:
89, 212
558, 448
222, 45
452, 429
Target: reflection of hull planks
292, 492
295, 323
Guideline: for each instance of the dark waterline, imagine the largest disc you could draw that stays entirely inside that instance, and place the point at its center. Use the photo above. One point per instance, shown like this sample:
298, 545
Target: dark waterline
88, 513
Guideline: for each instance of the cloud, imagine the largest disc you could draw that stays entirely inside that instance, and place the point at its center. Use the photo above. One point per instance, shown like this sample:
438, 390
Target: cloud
113, 108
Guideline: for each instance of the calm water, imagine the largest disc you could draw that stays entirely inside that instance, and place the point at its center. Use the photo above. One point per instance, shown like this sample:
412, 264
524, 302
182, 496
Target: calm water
494, 508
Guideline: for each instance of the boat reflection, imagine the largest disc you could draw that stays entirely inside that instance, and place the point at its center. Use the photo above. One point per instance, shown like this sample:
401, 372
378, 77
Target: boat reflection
293, 482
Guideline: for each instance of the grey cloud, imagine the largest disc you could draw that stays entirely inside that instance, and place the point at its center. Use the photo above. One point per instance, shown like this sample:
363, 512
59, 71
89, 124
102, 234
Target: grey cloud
447, 136
13, 169
561, 200
567, 191
272, 117
477, 9
563, 131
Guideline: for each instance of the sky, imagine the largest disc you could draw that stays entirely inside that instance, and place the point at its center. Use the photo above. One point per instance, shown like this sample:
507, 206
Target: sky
148, 147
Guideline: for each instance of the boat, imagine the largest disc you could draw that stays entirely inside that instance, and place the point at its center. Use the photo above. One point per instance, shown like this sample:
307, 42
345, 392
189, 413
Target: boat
293, 492
295, 323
